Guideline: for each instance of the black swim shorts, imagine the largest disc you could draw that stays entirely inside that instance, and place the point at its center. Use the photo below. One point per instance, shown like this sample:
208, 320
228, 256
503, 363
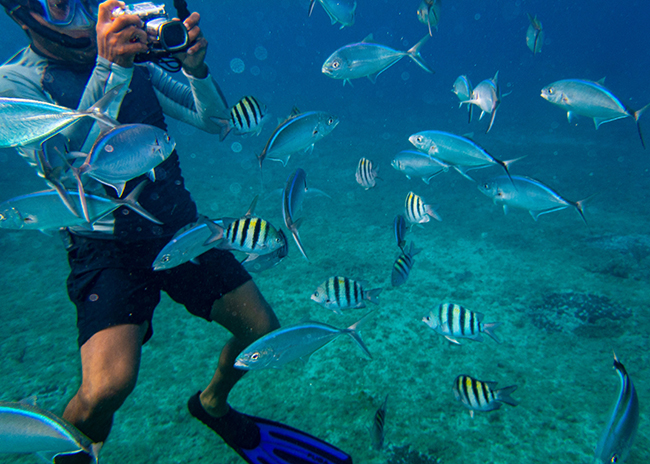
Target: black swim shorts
112, 283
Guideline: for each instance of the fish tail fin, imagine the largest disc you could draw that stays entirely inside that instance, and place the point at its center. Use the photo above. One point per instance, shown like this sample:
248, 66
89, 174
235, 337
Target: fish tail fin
580, 207
311, 6
414, 54
494, 115
430, 210
225, 126
216, 231
506, 166
94, 451
637, 114
353, 331
293, 227
488, 329
503, 395
131, 202
98, 111
82, 194
372, 295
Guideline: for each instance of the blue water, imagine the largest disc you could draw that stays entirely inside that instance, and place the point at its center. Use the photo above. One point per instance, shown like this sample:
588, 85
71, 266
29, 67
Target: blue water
531, 276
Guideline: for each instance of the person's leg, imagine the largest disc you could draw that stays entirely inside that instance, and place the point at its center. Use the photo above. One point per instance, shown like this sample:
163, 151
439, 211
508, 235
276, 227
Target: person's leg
110, 361
247, 315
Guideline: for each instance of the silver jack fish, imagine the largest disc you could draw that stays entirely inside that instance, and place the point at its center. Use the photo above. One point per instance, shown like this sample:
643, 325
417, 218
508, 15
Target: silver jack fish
45, 211
417, 212
535, 35
487, 96
463, 154
298, 133
296, 341
338, 293
429, 14
26, 428
368, 59
463, 90
366, 174
529, 194
590, 99
247, 117
186, 245
292, 198
477, 395
403, 265
28, 122
413, 163
339, 11
376, 429
454, 321
619, 433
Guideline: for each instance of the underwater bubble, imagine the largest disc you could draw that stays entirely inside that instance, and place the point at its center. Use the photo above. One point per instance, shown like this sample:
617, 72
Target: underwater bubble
477, 16
214, 206
555, 125
385, 135
237, 65
405, 43
255, 70
235, 188
405, 76
192, 155
236, 147
246, 164
261, 53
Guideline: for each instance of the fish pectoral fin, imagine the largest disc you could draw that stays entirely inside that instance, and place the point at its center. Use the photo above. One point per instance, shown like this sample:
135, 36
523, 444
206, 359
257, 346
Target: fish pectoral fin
505, 210
373, 77
151, 175
452, 340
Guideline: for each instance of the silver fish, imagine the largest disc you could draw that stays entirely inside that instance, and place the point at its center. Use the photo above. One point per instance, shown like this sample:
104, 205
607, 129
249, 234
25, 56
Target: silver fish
29, 122
298, 133
429, 13
368, 59
535, 35
413, 163
478, 395
292, 198
529, 194
403, 265
463, 90
590, 99
338, 293
45, 211
259, 263
295, 341
619, 433
460, 152
377, 429
26, 428
339, 11
487, 96
366, 174
454, 321
417, 212
247, 117
186, 245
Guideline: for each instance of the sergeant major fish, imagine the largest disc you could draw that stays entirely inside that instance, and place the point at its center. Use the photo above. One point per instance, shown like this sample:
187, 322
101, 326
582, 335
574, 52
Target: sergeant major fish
487, 96
529, 194
295, 341
454, 321
417, 212
463, 90
590, 99
619, 433
339, 11
399, 230
366, 174
429, 14
377, 428
29, 122
535, 35
259, 263
477, 395
403, 265
368, 59
247, 117
338, 293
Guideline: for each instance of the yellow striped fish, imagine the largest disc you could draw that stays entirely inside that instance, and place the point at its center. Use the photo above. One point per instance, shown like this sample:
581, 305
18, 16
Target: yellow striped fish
377, 432
403, 265
478, 395
453, 321
338, 293
366, 174
417, 212
247, 116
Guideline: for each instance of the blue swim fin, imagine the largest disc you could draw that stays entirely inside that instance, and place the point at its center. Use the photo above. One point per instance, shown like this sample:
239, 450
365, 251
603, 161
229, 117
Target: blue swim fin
262, 441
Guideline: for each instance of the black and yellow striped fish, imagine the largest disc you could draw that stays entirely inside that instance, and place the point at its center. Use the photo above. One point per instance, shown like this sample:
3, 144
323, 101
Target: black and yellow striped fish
377, 432
252, 235
453, 321
338, 293
403, 265
416, 211
478, 395
246, 117
366, 174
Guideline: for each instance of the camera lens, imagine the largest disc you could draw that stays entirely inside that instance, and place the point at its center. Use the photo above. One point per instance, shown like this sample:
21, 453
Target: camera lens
173, 36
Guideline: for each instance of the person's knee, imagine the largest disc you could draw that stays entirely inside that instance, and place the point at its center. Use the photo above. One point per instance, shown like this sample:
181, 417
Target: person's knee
106, 395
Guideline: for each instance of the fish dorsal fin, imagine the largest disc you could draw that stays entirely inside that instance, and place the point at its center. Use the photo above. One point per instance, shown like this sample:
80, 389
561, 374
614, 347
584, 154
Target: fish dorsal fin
369, 38
251, 208
294, 111
30, 400
601, 81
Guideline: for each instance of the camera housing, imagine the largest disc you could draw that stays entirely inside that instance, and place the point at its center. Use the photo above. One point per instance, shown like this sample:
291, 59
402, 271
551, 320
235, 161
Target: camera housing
165, 34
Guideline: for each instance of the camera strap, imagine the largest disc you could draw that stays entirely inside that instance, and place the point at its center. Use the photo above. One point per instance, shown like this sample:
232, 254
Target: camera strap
181, 9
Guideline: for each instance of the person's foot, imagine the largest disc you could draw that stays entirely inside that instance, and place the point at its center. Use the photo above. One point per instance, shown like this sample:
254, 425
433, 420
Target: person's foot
78, 458
236, 428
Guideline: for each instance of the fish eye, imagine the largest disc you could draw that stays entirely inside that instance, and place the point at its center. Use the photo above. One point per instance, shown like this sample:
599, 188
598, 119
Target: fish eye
166, 258
316, 294
168, 138
328, 301
29, 220
336, 64
550, 91
614, 459
255, 356
419, 138
330, 121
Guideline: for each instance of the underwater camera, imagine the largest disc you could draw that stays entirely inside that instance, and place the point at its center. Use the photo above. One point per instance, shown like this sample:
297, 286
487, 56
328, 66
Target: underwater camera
167, 36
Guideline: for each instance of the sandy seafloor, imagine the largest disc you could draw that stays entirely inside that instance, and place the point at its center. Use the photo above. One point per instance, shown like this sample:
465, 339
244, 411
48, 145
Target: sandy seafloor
508, 267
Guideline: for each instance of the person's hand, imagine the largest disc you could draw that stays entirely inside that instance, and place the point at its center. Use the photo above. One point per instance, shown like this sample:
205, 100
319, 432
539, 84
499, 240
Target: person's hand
193, 59
119, 39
